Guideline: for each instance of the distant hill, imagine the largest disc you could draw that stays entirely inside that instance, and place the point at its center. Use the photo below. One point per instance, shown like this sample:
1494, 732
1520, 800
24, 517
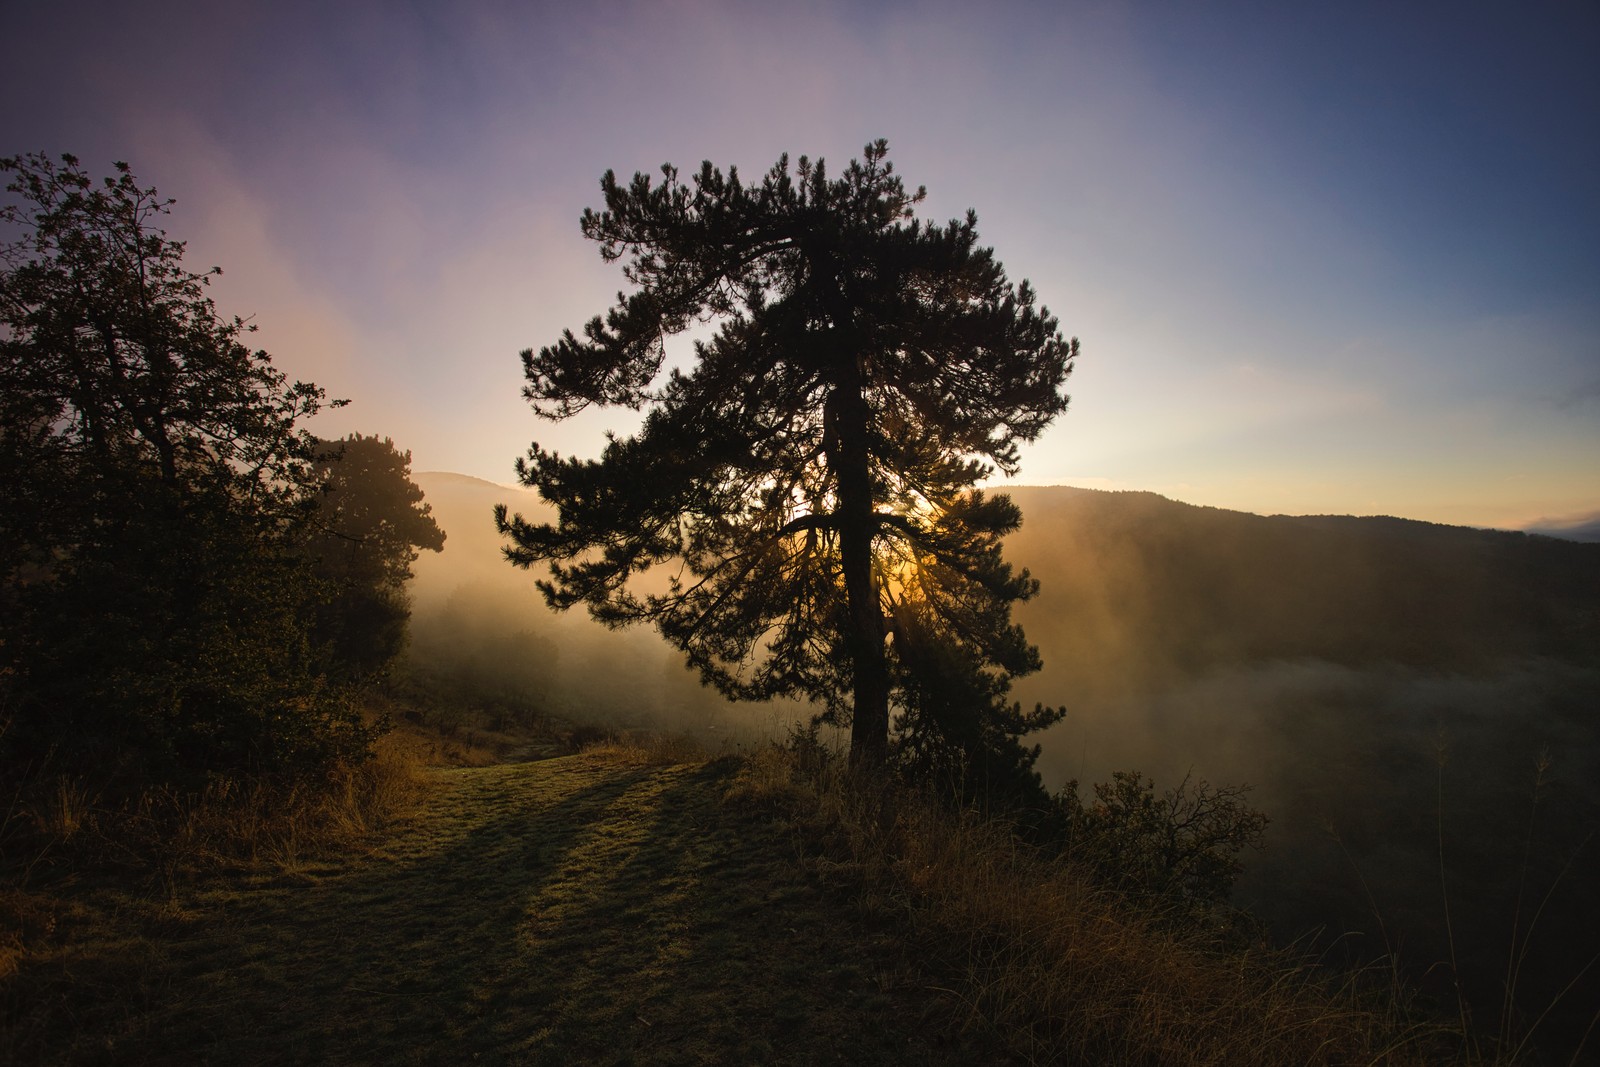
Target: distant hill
1586, 529
1139, 590
1185, 587
1142, 599
482, 622
1175, 586
463, 506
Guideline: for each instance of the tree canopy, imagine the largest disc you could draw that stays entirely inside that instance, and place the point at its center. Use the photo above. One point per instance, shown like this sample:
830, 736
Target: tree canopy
370, 523
807, 486
117, 366
156, 485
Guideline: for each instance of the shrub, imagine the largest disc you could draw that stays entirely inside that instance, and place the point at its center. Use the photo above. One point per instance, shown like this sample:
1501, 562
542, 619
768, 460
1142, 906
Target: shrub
1180, 848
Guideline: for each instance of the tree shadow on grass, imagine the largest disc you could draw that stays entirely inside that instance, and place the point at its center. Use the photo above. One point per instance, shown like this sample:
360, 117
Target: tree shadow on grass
373, 963
698, 941
578, 910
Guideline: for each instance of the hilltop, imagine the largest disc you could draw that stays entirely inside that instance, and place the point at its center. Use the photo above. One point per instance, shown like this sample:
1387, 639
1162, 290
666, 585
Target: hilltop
1376, 680
625, 905
595, 908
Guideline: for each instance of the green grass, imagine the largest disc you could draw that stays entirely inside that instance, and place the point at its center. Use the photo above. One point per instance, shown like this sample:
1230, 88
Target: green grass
597, 908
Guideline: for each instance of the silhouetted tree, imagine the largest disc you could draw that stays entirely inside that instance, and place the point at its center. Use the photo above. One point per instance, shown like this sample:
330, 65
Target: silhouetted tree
153, 596
370, 523
866, 372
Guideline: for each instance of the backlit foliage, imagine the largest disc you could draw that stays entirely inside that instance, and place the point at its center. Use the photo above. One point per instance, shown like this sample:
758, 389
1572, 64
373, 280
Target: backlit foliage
866, 372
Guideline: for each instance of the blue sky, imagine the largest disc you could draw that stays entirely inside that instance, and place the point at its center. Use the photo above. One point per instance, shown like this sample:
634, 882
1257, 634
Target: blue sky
1322, 258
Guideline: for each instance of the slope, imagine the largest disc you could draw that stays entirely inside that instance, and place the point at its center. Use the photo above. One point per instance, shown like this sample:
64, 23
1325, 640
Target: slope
1396, 682
597, 908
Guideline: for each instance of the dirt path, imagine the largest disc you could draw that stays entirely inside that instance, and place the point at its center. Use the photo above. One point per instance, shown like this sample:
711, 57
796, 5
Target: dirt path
587, 909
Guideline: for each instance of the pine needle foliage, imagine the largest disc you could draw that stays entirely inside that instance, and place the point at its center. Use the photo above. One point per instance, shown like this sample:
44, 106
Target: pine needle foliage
814, 469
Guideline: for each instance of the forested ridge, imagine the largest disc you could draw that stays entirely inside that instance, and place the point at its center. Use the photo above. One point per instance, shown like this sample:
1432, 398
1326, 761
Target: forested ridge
1205, 586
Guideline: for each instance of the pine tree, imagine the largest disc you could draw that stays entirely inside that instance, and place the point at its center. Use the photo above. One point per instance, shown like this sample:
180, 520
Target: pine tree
818, 462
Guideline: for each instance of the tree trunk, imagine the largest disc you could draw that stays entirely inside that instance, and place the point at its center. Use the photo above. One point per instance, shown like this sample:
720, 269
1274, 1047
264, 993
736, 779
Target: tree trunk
869, 731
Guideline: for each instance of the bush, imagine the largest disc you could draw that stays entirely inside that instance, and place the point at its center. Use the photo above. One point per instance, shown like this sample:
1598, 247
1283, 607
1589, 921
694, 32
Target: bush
1179, 849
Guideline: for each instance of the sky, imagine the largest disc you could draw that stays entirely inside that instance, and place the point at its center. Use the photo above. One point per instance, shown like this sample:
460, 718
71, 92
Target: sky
1338, 258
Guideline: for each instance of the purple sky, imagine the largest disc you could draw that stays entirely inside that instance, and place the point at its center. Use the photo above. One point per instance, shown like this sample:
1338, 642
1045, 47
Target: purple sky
1341, 260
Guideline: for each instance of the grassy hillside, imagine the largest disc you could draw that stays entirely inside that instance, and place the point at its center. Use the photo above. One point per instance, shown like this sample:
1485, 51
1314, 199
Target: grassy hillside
630, 906
598, 908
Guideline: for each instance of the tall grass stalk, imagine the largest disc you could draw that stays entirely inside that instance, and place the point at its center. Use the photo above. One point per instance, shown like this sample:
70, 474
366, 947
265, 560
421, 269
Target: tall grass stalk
1442, 757
1512, 1042
1516, 954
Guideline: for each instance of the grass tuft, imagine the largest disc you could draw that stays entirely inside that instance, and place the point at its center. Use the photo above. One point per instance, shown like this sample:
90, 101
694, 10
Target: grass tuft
227, 824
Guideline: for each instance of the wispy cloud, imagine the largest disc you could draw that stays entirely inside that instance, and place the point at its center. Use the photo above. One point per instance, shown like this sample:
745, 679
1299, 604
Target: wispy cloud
394, 193
1584, 396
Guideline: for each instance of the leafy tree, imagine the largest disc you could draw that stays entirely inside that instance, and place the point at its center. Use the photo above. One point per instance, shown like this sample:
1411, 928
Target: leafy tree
370, 523
152, 592
867, 370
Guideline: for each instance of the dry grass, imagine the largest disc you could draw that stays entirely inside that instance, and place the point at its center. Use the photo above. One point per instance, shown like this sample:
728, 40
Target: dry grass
651, 750
1067, 973
429, 748
636, 903
63, 848
608, 907
59, 835
61, 830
